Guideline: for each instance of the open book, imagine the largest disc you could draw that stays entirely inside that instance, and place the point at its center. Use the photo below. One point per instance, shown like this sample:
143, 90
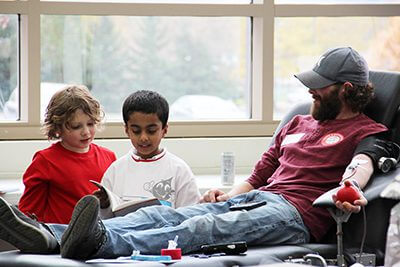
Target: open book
121, 209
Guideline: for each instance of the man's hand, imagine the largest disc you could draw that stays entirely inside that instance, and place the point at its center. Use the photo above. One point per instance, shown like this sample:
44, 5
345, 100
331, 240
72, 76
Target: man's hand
214, 195
346, 206
103, 198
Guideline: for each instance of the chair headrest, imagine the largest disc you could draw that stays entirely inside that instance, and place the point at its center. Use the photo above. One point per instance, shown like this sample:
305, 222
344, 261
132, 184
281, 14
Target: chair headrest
387, 96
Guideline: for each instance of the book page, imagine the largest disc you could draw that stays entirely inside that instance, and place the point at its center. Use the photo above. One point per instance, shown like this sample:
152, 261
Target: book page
119, 207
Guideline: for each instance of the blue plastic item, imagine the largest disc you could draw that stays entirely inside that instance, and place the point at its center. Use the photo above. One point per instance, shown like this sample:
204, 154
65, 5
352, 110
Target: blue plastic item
151, 258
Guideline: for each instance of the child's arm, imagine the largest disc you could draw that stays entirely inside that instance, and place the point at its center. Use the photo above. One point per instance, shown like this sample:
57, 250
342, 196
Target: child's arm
34, 198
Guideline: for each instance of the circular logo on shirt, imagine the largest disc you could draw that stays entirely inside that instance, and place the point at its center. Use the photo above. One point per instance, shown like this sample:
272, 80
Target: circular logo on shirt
331, 139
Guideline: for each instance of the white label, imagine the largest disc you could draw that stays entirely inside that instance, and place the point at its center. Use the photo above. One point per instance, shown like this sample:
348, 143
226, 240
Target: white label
292, 138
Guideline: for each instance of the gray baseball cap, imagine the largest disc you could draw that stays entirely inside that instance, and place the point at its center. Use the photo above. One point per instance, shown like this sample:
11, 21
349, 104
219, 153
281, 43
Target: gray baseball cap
343, 64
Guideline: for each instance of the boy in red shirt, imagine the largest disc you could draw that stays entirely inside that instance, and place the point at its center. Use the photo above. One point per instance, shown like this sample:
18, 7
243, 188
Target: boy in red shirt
59, 175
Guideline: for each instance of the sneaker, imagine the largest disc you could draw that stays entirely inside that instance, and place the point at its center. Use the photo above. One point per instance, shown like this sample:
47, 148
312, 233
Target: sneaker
28, 235
85, 233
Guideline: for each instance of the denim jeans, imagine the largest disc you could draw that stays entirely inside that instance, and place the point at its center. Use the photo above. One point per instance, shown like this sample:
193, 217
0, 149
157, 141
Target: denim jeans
149, 229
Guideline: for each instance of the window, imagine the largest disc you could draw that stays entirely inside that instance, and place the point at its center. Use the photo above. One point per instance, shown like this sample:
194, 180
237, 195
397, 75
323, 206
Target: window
164, 1
225, 66
329, 2
199, 64
9, 67
299, 42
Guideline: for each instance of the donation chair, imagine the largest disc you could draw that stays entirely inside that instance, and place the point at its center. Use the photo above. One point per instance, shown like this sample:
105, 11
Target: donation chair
349, 236
384, 109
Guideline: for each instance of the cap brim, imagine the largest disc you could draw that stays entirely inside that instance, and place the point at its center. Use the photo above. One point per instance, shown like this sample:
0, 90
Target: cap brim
313, 80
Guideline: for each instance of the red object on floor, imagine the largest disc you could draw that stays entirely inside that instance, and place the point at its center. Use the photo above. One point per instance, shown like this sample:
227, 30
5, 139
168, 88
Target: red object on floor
176, 253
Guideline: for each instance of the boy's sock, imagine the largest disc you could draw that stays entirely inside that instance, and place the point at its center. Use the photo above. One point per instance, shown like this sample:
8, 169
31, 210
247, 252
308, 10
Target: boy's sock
24, 233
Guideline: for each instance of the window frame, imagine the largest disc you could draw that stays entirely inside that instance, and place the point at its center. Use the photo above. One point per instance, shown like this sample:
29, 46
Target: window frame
263, 14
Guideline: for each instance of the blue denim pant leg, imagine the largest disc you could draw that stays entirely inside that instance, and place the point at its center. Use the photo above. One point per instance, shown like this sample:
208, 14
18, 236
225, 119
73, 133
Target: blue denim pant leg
149, 218
149, 229
57, 230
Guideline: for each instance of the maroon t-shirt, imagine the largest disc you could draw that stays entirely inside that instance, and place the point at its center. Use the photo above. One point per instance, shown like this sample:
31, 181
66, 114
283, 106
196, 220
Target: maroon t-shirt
309, 158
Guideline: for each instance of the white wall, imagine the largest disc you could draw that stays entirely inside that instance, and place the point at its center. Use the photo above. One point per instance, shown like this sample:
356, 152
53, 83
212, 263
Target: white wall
202, 154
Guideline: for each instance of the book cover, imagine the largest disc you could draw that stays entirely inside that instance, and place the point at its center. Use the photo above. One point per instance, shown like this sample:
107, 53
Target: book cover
121, 209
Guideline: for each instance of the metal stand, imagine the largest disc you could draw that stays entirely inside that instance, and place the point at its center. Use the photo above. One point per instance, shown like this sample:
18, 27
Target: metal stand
340, 217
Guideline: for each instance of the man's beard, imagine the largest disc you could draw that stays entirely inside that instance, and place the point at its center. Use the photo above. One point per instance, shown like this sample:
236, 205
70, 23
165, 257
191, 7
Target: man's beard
329, 107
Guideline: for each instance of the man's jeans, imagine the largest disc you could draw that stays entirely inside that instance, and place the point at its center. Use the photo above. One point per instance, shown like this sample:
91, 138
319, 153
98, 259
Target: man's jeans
149, 229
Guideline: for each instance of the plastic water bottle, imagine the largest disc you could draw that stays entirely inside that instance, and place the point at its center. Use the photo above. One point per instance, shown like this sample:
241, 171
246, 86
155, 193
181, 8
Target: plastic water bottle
228, 168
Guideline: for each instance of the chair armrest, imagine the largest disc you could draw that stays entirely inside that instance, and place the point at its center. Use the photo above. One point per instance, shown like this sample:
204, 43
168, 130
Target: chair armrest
378, 183
372, 191
325, 200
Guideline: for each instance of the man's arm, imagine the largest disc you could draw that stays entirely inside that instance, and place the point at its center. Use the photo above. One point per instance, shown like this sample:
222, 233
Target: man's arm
263, 169
359, 171
368, 155
216, 195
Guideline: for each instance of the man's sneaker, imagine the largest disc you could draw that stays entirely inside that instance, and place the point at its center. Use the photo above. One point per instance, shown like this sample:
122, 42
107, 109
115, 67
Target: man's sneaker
85, 233
26, 234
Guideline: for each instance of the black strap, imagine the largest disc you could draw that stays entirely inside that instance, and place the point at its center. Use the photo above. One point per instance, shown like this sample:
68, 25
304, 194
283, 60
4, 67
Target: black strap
376, 148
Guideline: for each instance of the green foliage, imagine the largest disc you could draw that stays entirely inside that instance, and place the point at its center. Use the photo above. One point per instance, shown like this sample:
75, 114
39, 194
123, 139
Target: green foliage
52, 32
114, 56
196, 71
8, 56
105, 64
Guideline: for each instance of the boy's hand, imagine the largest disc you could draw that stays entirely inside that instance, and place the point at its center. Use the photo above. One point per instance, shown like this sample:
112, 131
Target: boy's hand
214, 195
103, 198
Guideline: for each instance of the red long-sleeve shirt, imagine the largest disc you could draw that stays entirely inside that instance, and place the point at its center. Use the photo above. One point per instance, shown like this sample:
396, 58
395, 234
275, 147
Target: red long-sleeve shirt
57, 178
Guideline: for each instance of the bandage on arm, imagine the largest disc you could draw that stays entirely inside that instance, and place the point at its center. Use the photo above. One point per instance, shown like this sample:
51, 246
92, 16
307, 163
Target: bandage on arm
359, 170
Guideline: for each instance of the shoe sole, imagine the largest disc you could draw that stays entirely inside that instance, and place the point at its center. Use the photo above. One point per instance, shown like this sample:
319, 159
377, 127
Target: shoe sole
83, 218
20, 234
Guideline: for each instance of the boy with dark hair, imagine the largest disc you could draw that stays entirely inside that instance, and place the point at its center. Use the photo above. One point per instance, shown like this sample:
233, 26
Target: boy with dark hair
147, 170
146, 102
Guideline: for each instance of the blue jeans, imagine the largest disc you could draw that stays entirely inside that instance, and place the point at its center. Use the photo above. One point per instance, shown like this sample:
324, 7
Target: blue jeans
149, 229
